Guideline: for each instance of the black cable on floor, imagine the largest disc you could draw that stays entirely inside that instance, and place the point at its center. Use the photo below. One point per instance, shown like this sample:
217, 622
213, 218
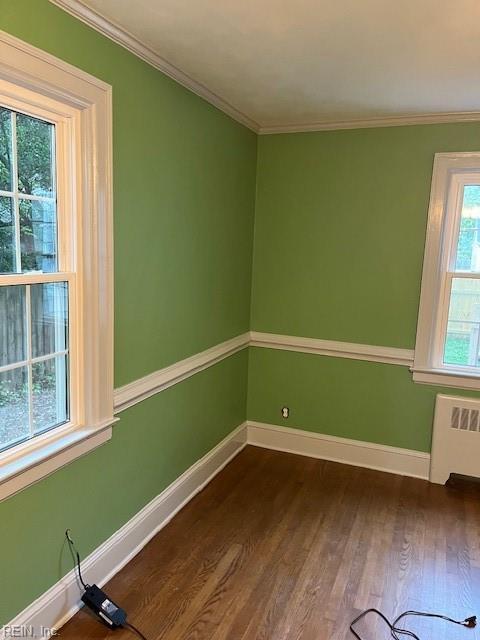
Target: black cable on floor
396, 632
134, 630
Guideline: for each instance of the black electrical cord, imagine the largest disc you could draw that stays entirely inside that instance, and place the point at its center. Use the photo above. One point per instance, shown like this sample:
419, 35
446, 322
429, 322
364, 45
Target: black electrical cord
396, 631
74, 551
134, 630
468, 622
365, 613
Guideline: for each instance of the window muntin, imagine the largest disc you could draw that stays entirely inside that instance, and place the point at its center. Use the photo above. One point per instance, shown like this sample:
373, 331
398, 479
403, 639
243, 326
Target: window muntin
34, 295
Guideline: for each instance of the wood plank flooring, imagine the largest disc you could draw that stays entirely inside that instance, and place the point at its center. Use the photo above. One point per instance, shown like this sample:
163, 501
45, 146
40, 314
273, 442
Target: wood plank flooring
285, 547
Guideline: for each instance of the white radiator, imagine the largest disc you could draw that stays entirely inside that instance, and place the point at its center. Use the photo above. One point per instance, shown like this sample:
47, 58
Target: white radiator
456, 438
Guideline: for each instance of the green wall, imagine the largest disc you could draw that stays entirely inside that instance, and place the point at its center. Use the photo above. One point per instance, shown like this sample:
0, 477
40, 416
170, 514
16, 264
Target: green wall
339, 236
184, 191
347, 398
339, 232
154, 442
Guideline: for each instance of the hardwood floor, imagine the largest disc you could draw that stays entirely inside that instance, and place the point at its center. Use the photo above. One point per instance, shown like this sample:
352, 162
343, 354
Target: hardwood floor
285, 547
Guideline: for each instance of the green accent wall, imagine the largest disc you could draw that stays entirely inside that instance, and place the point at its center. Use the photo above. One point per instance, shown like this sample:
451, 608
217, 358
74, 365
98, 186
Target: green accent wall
184, 192
155, 441
340, 230
353, 399
339, 236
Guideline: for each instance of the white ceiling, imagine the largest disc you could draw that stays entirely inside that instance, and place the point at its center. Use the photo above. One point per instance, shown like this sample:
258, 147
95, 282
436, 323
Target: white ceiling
308, 62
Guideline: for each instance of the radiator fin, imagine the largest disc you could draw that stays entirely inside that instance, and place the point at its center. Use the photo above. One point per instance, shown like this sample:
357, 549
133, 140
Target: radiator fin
455, 418
473, 420
465, 419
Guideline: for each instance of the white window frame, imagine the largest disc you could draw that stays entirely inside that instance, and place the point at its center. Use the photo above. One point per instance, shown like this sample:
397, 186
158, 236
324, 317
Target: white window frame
80, 106
451, 171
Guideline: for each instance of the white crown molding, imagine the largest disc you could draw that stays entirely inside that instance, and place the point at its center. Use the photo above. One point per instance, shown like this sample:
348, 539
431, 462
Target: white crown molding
371, 123
162, 379
405, 462
370, 353
57, 605
122, 37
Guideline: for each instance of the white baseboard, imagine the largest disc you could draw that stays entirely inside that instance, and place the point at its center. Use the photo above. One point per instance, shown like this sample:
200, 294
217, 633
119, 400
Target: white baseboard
355, 452
62, 601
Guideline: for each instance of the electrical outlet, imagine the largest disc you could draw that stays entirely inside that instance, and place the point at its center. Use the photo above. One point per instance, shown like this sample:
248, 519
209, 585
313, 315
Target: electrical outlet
285, 412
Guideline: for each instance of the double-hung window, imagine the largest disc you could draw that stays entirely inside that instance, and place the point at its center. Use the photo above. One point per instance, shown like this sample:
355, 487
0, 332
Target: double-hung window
37, 285
448, 335
56, 307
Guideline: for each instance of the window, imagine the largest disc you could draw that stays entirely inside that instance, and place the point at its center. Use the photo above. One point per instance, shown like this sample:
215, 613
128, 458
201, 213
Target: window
448, 335
34, 325
56, 315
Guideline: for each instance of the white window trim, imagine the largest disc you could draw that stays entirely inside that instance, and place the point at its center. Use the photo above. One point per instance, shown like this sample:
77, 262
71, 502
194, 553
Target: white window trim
428, 368
85, 104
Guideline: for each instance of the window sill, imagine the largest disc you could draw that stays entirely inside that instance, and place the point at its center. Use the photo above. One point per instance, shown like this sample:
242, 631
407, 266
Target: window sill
33, 461
457, 379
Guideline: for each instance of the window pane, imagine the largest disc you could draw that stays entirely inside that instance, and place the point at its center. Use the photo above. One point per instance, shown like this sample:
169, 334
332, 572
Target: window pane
38, 235
463, 331
14, 419
468, 248
50, 393
13, 331
7, 235
35, 156
5, 150
49, 318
